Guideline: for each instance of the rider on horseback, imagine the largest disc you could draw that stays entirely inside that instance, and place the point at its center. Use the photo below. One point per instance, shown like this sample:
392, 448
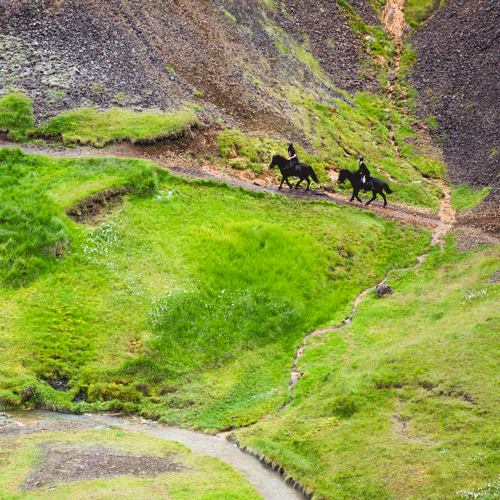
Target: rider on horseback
366, 178
292, 155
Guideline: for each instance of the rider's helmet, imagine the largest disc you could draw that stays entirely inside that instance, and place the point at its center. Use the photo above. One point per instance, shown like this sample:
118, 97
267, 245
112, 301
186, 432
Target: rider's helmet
289, 143
360, 158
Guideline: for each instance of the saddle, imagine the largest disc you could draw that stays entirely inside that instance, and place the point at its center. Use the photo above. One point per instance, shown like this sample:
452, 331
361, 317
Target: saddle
366, 183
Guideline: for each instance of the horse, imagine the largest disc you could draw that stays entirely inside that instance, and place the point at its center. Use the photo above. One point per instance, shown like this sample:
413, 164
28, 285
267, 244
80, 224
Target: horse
302, 171
377, 186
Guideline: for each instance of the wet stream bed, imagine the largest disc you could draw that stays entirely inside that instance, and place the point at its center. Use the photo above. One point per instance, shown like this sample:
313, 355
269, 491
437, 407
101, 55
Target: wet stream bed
270, 484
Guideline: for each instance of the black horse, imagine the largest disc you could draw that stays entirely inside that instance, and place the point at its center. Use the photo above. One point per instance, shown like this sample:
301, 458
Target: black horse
377, 186
302, 171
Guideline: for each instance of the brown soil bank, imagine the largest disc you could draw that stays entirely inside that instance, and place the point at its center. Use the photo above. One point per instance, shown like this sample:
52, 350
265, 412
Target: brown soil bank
457, 74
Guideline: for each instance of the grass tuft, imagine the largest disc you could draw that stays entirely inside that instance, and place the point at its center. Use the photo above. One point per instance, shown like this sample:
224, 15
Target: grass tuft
16, 114
464, 197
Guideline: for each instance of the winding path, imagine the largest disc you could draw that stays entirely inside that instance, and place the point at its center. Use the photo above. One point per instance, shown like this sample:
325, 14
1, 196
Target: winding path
184, 166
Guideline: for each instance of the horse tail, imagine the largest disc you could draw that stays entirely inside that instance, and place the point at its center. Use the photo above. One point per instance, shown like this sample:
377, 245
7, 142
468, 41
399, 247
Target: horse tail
387, 189
313, 176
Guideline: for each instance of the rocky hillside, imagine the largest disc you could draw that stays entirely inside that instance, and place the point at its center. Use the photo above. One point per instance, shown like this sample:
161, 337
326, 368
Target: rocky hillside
242, 63
457, 75
229, 59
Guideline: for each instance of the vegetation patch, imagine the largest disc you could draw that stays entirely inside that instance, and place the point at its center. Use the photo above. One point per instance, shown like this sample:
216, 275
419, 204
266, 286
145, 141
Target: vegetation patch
418, 11
89, 126
464, 197
16, 114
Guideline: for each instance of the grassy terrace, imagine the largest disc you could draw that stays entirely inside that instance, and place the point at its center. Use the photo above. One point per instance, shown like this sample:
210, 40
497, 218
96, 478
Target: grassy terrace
92, 126
187, 304
98, 128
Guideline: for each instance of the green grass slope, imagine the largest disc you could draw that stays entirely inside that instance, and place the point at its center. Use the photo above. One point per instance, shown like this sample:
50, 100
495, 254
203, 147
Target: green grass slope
187, 304
402, 403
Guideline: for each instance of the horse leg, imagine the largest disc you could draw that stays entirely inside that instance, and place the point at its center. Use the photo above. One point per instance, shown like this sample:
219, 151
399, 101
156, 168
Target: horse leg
308, 183
385, 199
355, 195
297, 185
289, 185
374, 196
281, 183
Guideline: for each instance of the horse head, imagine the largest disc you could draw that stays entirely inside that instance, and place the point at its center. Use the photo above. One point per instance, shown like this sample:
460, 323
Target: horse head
273, 162
342, 176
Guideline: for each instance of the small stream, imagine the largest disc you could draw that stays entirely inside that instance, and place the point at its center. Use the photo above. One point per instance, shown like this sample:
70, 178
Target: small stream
268, 483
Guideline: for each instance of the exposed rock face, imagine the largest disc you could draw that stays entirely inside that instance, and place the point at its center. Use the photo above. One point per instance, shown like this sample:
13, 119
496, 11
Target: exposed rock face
457, 75
394, 19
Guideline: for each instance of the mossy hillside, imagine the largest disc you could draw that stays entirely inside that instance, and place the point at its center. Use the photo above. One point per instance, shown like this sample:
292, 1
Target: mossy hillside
187, 305
403, 402
201, 477
34, 192
379, 127
339, 127
383, 57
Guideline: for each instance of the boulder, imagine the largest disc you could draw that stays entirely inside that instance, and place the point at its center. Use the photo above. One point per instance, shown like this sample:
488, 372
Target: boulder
383, 289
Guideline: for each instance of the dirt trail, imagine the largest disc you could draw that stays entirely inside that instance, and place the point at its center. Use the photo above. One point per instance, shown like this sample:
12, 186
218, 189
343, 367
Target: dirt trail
295, 373
175, 160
